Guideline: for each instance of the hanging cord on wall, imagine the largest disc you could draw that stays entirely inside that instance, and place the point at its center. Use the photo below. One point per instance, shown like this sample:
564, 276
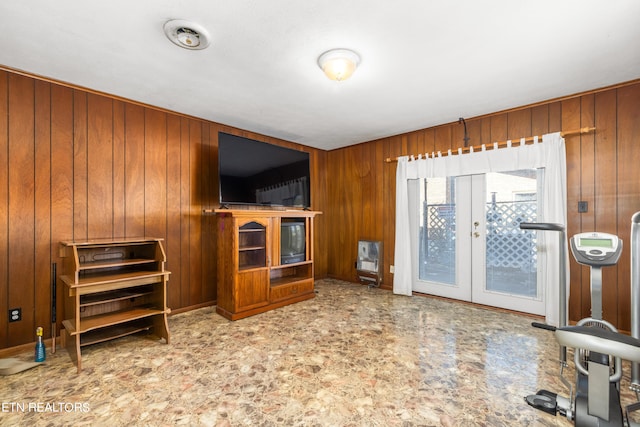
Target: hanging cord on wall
466, 135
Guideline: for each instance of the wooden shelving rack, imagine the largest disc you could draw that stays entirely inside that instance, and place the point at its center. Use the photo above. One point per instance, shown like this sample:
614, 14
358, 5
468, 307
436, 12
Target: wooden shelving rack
113, 288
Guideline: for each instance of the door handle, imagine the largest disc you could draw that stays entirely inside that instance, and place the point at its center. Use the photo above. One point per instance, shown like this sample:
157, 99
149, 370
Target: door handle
475, 233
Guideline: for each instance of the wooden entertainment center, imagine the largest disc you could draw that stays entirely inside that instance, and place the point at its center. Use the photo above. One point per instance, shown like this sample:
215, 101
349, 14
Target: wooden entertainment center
253, 275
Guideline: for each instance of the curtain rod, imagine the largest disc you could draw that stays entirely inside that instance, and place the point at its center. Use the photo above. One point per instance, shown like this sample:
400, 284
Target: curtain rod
503, 144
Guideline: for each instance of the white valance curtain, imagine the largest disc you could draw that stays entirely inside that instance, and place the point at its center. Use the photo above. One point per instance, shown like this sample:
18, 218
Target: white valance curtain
550, 155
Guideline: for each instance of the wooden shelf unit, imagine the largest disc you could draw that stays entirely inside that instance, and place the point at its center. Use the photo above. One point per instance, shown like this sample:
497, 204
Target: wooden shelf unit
113, 288
251, 276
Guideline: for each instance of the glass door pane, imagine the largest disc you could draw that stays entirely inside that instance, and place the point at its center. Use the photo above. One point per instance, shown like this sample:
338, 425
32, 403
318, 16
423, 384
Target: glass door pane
504, 258
252, 246
437, 240
442, 218
511, 252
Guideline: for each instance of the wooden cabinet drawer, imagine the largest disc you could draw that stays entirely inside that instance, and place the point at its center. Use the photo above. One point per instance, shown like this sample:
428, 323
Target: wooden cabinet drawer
291, 290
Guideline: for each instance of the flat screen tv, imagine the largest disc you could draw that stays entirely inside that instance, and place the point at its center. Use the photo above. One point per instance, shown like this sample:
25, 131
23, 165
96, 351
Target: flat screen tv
257, 173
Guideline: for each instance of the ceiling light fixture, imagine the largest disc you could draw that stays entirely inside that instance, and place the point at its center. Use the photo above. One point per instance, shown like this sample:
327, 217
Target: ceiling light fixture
339, 64
188, 35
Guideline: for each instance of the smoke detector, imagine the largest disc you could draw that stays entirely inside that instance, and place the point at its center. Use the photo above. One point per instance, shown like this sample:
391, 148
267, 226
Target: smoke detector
188, 35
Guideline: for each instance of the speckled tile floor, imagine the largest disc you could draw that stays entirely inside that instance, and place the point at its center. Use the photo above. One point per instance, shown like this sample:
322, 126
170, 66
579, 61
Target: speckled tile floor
352, 356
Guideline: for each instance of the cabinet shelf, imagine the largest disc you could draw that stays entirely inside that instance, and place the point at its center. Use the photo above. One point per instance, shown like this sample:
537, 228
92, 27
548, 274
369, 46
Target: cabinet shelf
251, 248
286, 281
120, 276
102, 335
106, 334
111, 296
112, 263
109, 319
297, 264
291, 273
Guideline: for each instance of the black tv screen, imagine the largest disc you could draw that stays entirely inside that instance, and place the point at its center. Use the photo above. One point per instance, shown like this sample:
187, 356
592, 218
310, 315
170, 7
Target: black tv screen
257, 173
292, 241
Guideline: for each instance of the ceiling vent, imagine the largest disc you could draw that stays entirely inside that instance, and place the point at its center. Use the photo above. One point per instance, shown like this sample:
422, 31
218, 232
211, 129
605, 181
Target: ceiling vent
188, 35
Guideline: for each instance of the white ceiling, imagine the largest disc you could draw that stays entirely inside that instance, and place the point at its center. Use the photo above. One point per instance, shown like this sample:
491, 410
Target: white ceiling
424, 62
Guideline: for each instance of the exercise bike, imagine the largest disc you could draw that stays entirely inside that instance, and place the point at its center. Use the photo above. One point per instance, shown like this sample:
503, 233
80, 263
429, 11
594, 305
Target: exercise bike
598, 347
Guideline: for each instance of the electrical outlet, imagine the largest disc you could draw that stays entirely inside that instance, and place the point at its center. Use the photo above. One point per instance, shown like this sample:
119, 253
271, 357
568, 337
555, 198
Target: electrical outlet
15, 314
392, 269
583, 207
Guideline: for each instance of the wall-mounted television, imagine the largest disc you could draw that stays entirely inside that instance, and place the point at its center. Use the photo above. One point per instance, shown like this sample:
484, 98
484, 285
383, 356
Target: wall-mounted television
257, 173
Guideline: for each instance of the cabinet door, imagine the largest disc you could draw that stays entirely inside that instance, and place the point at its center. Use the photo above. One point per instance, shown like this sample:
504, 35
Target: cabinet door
253, 261
252, 289
253, 244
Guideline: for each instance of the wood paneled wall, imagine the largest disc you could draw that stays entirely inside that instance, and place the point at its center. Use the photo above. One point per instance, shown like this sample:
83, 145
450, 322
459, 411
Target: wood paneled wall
602, 168
80, 165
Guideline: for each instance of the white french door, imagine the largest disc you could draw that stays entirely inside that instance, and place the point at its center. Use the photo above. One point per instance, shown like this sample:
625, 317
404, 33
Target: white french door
469, 245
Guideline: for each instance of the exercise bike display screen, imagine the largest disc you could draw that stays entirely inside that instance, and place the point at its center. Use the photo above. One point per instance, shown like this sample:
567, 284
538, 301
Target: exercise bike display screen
598, 243
596, 249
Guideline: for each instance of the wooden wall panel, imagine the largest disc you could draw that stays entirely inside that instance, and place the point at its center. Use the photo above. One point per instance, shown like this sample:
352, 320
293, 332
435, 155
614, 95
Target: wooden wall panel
627, 198
500, 127
474, 132
518, 124
346, 213
99, 167
174, 215
368, 199
335, 207
119, 169
61, 179
555, 116
4, 205
571, 119
185, 212
80, 167
415, 142
350, 217
21, 213
209, 247
195, 213
457, 135
485, 131
540, 120
42, 213
318, 161
134, 171
155, 173
586, 188
600, 110
388, 170
443, 139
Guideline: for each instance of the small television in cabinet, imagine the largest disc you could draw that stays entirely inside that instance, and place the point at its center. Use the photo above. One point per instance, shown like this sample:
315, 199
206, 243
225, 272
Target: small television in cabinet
253, 172
292, 241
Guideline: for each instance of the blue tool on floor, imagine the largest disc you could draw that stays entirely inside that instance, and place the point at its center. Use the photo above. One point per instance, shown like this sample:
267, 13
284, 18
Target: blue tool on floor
41, 353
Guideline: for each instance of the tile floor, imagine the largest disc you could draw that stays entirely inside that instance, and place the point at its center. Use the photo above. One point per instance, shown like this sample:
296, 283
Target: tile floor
352, 356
